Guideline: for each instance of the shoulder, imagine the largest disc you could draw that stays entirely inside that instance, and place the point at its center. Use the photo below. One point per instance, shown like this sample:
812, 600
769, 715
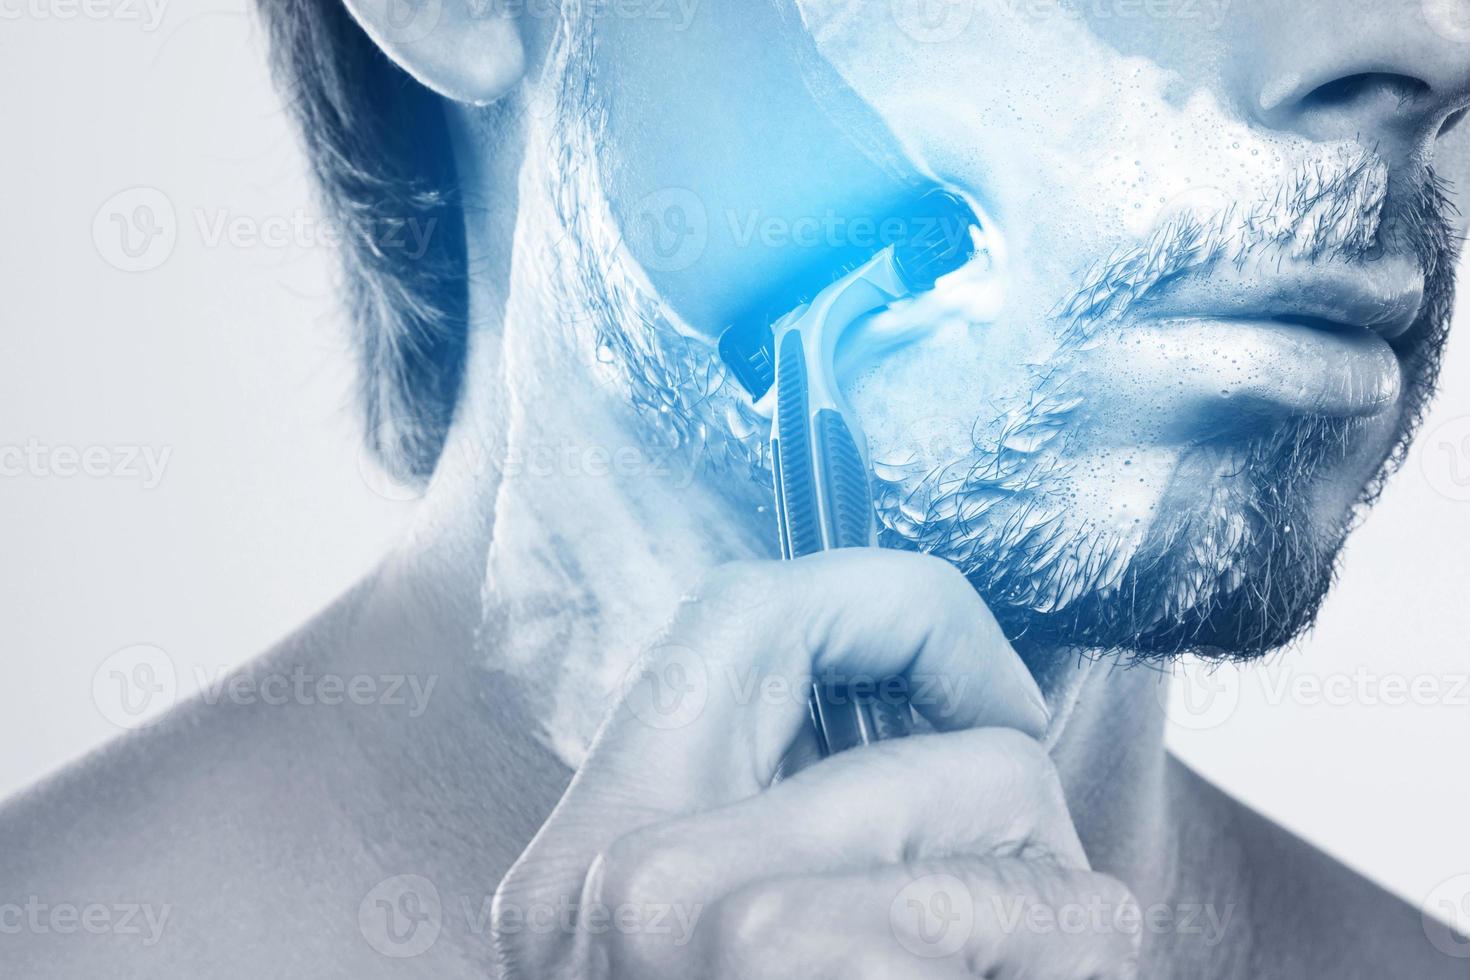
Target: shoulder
245, 833
1309, 914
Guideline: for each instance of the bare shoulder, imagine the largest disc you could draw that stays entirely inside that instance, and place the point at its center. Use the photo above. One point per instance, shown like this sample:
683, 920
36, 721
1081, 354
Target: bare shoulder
247, 834
1310, 915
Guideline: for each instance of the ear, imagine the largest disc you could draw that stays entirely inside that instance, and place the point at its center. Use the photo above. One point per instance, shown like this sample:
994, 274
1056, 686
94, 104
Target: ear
466, 51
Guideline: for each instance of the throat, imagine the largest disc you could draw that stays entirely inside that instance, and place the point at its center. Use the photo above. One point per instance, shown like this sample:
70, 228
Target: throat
597, 534
577, 585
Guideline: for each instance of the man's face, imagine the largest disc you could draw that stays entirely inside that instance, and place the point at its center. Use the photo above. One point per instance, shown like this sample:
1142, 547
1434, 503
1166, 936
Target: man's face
1216, 264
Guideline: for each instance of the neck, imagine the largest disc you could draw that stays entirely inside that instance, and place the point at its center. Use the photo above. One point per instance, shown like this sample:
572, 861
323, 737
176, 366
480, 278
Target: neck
570, 540
582, 534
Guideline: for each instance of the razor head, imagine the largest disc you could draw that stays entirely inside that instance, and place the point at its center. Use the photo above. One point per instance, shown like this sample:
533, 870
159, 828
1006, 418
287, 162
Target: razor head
938, 243
748, 350
930, 238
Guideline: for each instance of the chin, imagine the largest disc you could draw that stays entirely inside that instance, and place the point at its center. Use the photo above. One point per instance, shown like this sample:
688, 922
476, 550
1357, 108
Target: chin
1183, 594
1235, 559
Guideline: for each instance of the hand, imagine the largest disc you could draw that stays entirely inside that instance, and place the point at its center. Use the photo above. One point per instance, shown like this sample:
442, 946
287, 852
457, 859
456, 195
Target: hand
675, 854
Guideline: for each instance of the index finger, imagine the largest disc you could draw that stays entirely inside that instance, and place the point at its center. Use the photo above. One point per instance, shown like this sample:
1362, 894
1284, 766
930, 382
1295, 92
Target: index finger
710, 714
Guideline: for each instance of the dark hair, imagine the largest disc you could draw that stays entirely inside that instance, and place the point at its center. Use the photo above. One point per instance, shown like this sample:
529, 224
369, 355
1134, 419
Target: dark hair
378, 144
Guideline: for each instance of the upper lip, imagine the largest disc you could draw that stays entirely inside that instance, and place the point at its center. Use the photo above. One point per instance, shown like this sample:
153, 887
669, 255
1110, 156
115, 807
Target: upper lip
1382, 296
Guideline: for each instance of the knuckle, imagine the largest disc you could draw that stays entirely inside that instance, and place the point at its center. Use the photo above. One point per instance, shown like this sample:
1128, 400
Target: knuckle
1090, 918
636, 871
617, 874
748, 920
921, 573
1014, 880
1024, 762
507, 895
1113, 892
944, 578
630, 887
1127, 919
1023, 775
1113, 919
525, 884
658, 659
519, 952
737, 587
1102, 890
734, 578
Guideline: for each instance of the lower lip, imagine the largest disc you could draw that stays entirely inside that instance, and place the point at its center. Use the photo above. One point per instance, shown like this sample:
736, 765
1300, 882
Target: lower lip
1212, 371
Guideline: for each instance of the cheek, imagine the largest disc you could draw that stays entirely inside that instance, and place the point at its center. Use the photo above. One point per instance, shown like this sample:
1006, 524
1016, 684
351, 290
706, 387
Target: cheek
1120, 495
1073, 167
942, 395
1452, 162
961, 402
1340, 485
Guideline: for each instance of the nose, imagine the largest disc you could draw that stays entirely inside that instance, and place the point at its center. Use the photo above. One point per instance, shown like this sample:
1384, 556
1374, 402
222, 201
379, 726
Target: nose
1391, 73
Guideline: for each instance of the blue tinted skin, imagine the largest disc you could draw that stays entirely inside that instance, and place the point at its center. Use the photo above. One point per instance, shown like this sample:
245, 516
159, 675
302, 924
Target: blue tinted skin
530, 582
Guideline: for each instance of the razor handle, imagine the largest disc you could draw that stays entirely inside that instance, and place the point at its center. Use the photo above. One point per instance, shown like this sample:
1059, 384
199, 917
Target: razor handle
823, 501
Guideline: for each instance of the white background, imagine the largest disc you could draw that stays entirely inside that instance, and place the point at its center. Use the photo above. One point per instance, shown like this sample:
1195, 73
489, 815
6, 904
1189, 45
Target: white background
231, 357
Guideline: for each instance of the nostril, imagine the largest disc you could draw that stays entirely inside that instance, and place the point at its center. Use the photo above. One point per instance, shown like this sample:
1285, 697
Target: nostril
1452, 120
1352, 89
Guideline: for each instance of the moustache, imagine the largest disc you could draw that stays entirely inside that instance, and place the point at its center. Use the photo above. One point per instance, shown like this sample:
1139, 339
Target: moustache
1340, 203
